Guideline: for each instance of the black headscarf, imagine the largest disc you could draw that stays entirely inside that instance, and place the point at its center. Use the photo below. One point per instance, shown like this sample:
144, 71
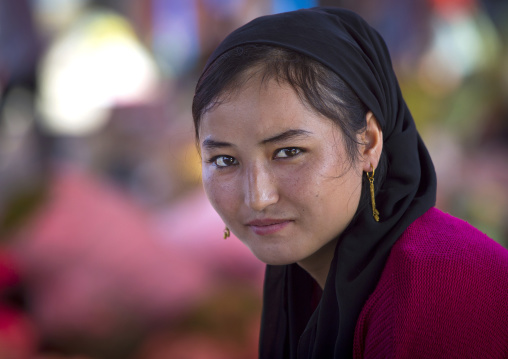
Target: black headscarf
346, 44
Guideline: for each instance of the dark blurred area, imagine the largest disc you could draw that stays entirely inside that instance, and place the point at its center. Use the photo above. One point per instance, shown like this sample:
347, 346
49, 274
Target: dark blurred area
108, 246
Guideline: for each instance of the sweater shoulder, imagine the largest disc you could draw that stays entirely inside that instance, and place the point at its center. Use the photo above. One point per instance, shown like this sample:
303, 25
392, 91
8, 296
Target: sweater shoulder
437, 236
443, 293
441, 255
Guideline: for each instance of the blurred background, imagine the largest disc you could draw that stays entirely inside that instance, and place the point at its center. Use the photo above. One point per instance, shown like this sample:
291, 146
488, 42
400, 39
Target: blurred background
108, 246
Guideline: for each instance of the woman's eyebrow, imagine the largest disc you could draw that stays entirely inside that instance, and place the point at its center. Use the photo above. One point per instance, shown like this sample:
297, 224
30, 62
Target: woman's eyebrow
287, 135
210, 144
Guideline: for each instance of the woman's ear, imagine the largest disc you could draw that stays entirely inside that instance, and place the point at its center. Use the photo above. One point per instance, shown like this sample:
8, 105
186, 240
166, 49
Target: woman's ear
372, 140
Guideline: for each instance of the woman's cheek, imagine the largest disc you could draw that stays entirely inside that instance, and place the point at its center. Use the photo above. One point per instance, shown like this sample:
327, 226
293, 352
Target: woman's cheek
300, 180
220, 191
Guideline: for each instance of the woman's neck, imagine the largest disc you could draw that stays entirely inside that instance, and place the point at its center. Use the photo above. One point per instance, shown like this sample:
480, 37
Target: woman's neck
318, 264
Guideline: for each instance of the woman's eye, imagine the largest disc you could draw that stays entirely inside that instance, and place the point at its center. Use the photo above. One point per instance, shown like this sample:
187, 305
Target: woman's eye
224, 161
287, 152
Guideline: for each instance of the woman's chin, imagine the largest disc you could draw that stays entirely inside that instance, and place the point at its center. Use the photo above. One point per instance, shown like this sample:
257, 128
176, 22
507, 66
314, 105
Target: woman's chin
276, 260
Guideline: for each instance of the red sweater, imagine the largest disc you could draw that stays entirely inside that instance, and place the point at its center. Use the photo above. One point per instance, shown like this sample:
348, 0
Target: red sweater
442, 294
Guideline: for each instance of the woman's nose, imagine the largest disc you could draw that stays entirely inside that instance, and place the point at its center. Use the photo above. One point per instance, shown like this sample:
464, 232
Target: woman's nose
260, 188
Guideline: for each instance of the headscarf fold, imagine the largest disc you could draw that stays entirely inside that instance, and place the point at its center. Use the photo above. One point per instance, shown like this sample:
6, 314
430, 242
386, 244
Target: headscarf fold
345, 43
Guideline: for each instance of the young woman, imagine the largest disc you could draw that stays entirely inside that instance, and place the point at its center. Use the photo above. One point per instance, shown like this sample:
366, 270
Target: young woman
312, 159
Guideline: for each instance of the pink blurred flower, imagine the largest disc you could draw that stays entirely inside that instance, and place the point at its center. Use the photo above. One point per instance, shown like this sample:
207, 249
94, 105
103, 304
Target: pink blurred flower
92, 261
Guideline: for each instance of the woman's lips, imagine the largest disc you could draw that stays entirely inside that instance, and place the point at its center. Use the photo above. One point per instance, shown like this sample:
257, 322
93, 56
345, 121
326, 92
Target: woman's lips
268, 226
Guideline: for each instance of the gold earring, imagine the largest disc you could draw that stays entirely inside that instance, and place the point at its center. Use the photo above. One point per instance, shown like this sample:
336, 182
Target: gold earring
375, 212
227, 233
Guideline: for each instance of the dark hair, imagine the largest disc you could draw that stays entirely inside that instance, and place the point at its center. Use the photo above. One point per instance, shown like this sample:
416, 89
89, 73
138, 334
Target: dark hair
316, 85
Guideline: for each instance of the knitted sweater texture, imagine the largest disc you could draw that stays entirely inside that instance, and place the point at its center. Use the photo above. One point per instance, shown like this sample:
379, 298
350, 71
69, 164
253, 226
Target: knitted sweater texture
442, 294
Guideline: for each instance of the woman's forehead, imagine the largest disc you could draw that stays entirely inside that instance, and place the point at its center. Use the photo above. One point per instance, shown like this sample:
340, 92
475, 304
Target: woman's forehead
259, 112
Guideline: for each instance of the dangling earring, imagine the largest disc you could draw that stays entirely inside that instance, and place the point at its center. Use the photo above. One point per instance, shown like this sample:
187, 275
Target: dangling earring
375, 212
227, 233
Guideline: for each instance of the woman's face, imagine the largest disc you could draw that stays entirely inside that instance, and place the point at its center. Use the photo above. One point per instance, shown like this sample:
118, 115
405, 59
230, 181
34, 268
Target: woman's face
277, 173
